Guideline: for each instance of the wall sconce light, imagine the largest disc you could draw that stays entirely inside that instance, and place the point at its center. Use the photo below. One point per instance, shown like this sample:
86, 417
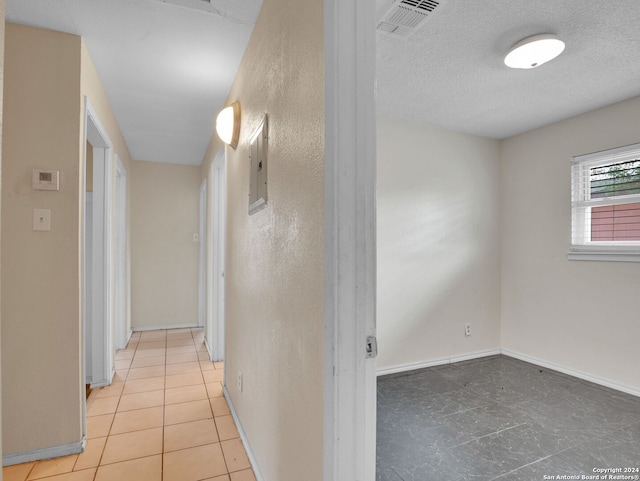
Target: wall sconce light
228, 124
534, 51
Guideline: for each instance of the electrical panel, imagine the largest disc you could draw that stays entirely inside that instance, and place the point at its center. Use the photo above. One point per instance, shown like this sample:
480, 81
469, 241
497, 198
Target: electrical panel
258, 178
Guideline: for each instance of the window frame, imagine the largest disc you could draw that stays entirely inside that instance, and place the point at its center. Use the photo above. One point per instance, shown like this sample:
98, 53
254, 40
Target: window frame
582, 248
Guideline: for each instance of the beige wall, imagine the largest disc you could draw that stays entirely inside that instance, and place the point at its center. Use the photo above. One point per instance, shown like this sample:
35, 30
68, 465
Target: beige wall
438, 252
2, 10
274, 273
165, 215
580, 315
41, 270
47, 75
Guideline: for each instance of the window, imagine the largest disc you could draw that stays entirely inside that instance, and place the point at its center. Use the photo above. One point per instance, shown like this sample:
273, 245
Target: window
605, 205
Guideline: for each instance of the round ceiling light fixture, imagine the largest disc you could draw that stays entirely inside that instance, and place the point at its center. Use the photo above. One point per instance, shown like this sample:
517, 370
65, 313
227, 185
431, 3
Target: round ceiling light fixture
534, 51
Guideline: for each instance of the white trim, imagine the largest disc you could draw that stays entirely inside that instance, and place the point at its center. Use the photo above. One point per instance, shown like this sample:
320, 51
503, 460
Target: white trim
87, 234
163, 327
572, 372
208, 322
102, 383
44, 453
202, 254
84, 374
606, 201
516, 355
121, 270
612, 255
437, 362
206, 345
243, 437
216, 316
349, 379
602, 157
102, 282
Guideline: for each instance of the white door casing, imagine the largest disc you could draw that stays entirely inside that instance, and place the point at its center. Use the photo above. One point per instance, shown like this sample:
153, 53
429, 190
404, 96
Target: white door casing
99, 369
202, 256
121, 276
216, 327
350, 234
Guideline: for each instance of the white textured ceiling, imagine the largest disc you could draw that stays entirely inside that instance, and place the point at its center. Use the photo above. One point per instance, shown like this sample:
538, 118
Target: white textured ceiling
167, 69
451, 72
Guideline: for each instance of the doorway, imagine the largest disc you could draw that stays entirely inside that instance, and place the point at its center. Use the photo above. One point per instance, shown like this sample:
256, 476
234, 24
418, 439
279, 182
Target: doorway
214, 333
97, 278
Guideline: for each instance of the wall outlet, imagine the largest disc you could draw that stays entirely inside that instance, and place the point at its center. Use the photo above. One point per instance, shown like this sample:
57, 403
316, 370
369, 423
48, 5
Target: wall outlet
240, 384
467, 329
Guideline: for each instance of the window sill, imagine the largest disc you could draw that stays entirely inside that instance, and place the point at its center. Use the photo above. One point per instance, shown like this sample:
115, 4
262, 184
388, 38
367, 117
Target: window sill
607, 255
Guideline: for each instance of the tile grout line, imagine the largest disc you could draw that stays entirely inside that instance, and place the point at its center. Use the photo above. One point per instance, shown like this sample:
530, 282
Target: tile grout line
31, 470
109, 431
164, 410
104, 448
213, 416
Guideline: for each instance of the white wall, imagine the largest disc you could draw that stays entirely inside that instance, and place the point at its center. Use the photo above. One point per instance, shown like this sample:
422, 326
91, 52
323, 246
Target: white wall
438, 243
274, 272
579, 315
164, 259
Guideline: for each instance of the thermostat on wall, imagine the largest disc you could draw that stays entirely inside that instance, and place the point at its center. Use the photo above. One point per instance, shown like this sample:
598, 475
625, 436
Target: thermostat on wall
45, 179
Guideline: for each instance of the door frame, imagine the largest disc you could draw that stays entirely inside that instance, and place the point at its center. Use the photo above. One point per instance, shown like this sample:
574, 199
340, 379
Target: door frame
102, 296
350, 241
202, 256
121, 273
216, 314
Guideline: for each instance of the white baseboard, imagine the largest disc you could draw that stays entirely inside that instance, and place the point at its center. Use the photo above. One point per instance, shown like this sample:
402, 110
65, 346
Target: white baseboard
103, 383
44, 453
243, 437
206, 344
572, 372
517, 355
99, 384
437, 362
163, 327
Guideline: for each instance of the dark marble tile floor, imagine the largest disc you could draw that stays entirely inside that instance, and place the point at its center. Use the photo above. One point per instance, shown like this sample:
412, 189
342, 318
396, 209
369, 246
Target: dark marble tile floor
498, 418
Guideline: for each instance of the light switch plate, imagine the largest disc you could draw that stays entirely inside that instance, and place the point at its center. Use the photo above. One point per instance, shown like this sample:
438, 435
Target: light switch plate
42, 219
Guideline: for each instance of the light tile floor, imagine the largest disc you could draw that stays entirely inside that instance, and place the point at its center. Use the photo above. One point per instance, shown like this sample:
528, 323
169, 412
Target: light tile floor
164, 418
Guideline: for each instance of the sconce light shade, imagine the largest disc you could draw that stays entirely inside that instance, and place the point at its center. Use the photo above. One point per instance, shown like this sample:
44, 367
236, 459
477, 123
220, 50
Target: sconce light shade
534, 51
228, 124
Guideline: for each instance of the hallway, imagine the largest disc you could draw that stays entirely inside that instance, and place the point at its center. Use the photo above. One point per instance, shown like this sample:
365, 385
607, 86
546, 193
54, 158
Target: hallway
164, 418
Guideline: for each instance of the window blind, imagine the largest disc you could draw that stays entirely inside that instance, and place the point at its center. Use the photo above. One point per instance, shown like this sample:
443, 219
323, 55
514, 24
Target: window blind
606, 198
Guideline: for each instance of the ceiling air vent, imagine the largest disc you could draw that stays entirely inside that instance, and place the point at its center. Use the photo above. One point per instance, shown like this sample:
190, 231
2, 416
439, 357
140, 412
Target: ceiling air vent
405, 17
